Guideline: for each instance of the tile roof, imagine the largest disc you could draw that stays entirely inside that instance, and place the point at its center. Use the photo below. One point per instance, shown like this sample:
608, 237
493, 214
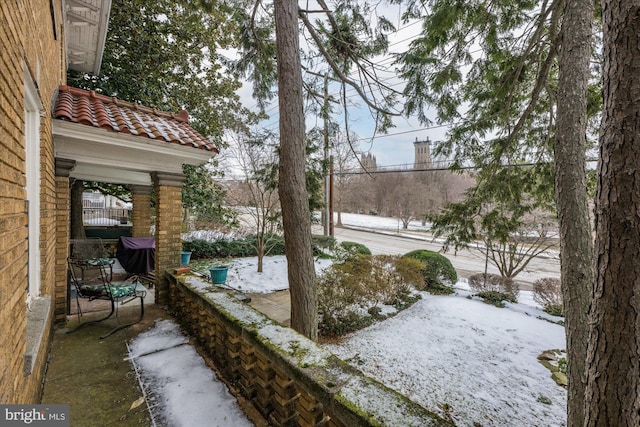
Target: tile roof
100, 111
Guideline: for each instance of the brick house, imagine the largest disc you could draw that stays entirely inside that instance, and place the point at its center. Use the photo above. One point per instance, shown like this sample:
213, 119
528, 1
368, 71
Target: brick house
50, 135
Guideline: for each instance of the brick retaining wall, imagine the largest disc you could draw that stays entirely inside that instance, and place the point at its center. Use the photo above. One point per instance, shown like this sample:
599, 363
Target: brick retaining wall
289, 379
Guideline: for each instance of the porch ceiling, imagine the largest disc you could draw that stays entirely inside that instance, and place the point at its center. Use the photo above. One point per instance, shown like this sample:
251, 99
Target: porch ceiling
119, 142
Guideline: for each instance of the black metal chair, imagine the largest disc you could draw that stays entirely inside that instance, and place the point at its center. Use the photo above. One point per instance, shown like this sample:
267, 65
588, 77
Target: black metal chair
100, 287
90, 254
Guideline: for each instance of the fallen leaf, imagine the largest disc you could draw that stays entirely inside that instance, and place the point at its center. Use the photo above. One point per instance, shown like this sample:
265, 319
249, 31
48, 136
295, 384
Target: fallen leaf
137, 403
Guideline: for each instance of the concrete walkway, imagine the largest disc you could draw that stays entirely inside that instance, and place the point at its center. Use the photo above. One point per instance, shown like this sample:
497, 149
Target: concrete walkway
93, 375
276, 305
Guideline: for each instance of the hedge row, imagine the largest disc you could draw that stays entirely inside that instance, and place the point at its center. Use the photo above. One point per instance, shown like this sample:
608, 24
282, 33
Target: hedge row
246, 246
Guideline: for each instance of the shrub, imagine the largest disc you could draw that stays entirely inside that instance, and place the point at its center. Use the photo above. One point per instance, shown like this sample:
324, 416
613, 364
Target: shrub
496, 298
240, 247
554, 310
439, 289
495, 283
339, 297
200, 248
350, 293
437, 271
321, 243
343, 323
346, 250
390, 278
548, 293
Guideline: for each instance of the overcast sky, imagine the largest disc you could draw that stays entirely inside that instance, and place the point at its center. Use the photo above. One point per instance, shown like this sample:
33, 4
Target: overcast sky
397, 146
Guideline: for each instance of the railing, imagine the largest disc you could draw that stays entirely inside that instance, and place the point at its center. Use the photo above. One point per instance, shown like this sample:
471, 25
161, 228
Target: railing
290, 380
106, 216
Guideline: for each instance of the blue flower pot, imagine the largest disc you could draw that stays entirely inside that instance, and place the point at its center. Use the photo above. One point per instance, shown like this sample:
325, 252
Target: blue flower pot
185, 258
219, 275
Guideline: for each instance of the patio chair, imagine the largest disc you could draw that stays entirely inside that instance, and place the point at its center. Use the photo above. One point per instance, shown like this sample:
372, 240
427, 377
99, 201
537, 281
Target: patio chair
90, 254
100, 288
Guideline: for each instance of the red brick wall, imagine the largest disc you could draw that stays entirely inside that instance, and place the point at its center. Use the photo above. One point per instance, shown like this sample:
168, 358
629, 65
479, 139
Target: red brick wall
26, 37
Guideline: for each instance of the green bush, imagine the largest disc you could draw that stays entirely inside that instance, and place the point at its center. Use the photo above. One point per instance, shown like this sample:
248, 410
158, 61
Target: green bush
494, 283
350, 293
496, 298
241, 247
554, 310
321, 244
438, 272
200, 248
439, 289
562, 365
343, 323
349, 249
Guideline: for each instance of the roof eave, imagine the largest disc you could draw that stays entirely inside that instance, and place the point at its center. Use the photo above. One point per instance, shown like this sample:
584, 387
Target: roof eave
86, 24
102, 152
102, 35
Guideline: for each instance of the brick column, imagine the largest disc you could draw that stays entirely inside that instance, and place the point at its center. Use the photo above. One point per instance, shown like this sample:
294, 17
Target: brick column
63, 229
141, 215
168, 189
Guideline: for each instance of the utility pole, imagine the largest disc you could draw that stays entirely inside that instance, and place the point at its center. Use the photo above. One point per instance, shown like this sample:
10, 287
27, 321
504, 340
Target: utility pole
330, 212
327, 215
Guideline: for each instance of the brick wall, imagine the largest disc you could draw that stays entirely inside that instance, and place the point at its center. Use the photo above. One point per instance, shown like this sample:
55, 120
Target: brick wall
168, 189
26, 37
141, 215
63, 231
290, 380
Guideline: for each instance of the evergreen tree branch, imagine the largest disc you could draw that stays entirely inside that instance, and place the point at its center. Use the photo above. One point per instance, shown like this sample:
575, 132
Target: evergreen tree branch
338, 72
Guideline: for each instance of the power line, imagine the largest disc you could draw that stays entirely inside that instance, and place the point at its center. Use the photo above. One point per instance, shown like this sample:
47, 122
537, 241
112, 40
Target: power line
436, 169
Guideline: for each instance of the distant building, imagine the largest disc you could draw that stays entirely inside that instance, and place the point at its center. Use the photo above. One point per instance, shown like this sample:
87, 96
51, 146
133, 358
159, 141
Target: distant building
422, 154
368, 161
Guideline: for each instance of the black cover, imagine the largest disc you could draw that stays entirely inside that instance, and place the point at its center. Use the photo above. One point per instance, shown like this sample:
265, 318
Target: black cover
137, 254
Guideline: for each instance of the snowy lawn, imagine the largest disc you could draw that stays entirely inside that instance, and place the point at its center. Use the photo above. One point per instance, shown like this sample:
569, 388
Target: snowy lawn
450, 353
463, 357
243, 273
380, 222
181, 389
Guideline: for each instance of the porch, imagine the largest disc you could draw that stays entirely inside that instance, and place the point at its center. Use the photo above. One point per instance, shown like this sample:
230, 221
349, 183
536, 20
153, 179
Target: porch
102, 139
95, 376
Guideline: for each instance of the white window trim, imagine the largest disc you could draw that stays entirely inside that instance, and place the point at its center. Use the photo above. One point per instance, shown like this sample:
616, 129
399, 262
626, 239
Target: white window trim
32, 112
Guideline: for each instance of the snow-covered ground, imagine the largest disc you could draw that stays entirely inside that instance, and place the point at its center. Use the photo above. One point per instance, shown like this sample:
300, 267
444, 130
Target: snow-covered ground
243, 274
473, 360
380, 222
181, 389
452, 354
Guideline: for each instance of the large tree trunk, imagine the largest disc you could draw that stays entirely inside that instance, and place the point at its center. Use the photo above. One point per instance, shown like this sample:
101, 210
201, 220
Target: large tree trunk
576, 242
613, 376
296, 218
77, 225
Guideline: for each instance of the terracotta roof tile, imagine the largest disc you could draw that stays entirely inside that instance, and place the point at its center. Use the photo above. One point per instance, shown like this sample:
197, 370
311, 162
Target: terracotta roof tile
85, 107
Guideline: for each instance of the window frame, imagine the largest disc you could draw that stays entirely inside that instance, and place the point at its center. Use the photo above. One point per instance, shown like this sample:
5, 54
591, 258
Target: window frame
33, 111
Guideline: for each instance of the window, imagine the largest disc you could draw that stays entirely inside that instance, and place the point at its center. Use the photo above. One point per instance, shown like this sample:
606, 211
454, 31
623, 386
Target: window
32, 111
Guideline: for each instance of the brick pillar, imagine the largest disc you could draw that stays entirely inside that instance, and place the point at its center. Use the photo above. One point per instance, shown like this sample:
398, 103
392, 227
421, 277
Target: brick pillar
168, 187
63, 229
141, 215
